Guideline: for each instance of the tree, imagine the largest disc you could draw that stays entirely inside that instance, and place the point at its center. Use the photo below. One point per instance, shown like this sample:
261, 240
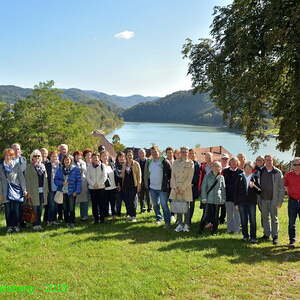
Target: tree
251, 68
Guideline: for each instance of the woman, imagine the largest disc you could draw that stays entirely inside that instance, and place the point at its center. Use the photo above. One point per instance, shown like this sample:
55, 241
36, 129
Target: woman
12, 190
120, 161
110, 184
242, 160
131, 184
87, 155
96, 177
181, 189
36, 183
83, 198
247, 188
213, 196
51, 168
68, 181
177, 154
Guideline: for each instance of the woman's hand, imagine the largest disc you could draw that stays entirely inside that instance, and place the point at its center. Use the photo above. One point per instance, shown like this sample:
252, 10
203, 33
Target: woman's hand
74, 195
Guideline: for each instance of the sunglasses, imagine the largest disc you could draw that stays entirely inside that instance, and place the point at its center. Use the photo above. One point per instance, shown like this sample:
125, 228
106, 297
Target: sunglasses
36, 156
296, 165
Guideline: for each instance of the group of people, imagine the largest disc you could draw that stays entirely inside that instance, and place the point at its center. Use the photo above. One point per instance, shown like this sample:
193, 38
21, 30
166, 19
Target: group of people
229, 189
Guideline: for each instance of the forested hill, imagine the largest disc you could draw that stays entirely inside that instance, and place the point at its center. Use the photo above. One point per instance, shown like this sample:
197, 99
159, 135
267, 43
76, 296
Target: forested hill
179, 107
11, 93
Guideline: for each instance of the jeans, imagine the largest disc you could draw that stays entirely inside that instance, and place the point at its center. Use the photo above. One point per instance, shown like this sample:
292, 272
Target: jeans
293, 212
84, 208
268, 208
69, 208
12, 213
233, 218
210, 215
144, 197
130, 200
248, 212
98, 204
119, 196
110, 196
222, 214
51, 207
158, 199
60, 211
38, 210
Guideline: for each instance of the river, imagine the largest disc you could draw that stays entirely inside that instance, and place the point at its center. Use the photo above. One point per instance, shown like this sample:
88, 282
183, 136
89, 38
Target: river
134, 134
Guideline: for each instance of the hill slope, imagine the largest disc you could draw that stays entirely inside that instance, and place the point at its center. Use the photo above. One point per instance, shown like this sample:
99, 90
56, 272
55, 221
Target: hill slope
179, 107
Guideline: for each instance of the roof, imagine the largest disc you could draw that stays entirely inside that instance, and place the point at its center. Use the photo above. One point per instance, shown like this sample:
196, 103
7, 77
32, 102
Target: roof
103, 141
217, 151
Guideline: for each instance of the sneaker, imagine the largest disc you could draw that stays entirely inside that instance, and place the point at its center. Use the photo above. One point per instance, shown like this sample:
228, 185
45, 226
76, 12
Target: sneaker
133, 219
84, 219
186, 228
291, 244
128, 218
17, 229
167, 226
55, 223
173, 219
10, 230
179, 228
253, 241
158, 222
275, 240
245, 239
37, 228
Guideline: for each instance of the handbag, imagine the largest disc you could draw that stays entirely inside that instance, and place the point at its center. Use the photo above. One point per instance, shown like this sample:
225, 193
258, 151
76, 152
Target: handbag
179, 207
59, 197
29, 214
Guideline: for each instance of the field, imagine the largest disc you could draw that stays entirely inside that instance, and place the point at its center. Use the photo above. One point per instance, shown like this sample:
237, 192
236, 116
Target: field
144, 261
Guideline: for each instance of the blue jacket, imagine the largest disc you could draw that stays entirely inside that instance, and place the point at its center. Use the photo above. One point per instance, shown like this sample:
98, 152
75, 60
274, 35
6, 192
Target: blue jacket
74, 180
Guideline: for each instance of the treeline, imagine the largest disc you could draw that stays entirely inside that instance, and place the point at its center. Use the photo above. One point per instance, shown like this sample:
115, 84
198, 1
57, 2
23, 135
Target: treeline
179, 107
45, 119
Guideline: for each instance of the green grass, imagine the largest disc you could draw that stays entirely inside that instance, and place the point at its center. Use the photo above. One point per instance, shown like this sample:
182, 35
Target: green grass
144, 261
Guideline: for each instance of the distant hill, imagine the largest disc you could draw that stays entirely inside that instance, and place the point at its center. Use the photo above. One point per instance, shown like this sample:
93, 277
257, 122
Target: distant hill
179, 107
11, 93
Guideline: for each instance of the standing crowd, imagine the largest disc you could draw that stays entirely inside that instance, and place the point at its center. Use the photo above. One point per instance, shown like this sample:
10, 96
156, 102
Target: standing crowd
229, 190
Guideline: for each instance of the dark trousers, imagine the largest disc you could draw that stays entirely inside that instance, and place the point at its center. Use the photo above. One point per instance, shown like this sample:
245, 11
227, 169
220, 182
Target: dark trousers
69, 208
12, 213
144, 199
45, 213
119, 196
51, 208
293, 212
38, 210
222, 214
248, 213
191, 211
99, 206
210, 215
110, 199
130, 200
60, 210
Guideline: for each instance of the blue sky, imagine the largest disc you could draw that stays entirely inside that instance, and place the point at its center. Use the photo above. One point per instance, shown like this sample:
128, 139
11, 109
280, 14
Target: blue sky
75, 43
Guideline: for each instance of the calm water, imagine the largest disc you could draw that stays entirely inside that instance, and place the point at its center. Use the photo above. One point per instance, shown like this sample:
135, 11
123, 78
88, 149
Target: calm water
176, 135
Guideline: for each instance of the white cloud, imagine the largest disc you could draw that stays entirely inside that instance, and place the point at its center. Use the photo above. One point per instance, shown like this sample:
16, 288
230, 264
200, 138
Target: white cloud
125, 35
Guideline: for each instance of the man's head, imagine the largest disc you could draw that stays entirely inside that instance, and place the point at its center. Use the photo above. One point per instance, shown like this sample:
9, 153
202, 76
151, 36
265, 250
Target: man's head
269, 161
155, 152
224, 160
296, 164
170, 153
192, 154
17, 149
233, 163
63, 149
184, 152
260, 161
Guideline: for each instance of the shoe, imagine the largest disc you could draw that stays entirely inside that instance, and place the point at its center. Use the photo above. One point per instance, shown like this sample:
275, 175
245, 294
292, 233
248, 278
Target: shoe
275, 240
71, 225
291, 245
167, 226
17, 229
178, 228
173, 219
96, 222
158, 222
230, 232
10, 230
143, 210
245, 239
133, 219
55, 223
186, 228
149, 210
37, 228
265, 238
208, 225
128, 218
84, 219
253, 241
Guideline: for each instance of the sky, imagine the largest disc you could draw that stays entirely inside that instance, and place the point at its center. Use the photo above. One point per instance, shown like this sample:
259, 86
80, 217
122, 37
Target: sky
120, 47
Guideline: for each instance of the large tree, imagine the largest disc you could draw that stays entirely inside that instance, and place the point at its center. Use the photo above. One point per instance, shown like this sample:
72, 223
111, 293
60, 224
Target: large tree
251, 67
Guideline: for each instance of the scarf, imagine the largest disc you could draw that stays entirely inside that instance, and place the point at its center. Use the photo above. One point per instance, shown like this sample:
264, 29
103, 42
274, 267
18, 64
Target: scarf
66, 170
40, 168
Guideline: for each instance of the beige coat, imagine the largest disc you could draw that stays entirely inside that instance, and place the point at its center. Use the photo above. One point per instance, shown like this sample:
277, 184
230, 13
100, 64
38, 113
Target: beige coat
32, 185
182, 175
137, 174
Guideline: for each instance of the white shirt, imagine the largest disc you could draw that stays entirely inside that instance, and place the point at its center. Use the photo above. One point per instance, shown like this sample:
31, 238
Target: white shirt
248, 178
156, 174
111, 178
96, 176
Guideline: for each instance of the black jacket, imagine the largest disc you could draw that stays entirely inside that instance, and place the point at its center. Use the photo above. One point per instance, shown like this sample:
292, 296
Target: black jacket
244, 195
195, 180
230, 182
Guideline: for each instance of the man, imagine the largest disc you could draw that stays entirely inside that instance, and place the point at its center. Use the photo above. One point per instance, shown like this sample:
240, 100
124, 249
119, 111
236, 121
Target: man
195, 180
157, 179
225, 165
170, 155
63, 150
143, 194
18, 156
292, 185
242, 160
271, 198
45, 153
259, 164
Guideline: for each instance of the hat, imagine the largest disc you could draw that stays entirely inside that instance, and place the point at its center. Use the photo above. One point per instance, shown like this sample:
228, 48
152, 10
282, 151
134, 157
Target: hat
225, 155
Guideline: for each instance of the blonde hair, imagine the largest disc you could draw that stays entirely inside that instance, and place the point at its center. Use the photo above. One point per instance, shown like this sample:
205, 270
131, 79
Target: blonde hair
249, 164
36, 152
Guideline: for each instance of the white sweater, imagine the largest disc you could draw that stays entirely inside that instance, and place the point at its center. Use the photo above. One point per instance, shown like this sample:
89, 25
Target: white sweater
96, 176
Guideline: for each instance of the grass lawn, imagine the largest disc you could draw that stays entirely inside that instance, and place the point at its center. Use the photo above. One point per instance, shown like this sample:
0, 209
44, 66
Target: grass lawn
144, 261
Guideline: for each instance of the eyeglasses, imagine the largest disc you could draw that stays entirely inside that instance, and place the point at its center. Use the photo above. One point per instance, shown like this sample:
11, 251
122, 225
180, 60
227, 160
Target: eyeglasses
36, 156
296, 165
